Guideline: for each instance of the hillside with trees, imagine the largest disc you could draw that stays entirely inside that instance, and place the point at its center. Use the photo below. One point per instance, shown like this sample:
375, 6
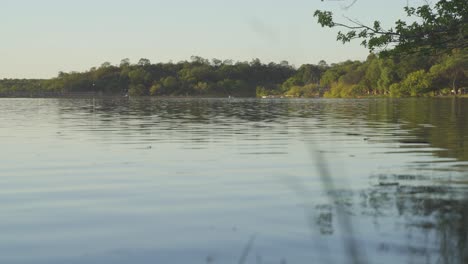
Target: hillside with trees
197, 77
427, 56
396, 76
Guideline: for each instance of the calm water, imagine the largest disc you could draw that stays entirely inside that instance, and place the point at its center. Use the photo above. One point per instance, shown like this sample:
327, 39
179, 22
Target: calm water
210, 180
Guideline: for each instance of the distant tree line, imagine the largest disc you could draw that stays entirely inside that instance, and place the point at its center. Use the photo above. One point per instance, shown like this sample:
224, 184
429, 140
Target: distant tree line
197, 77
406, 75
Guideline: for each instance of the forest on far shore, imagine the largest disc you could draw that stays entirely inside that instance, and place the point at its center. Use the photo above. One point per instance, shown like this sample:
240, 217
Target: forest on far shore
395, 76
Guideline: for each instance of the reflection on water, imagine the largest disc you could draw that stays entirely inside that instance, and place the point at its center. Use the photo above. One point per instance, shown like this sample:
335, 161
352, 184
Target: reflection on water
126, 180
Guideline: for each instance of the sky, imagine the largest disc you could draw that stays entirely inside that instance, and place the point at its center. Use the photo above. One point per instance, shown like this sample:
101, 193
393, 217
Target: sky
41, 38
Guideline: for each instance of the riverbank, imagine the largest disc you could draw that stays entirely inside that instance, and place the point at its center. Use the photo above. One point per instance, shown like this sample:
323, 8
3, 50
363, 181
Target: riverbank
405, 76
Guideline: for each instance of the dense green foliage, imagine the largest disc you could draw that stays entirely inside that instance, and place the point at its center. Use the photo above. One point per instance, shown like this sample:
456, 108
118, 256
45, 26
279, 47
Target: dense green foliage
396, 76
436, 28
199, 77
407, 75
424, 57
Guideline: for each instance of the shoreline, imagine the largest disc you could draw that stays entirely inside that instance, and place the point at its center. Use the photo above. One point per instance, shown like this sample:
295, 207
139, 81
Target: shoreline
97, 95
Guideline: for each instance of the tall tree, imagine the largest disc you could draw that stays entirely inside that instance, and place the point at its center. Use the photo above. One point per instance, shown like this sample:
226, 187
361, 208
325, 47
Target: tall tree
438, 28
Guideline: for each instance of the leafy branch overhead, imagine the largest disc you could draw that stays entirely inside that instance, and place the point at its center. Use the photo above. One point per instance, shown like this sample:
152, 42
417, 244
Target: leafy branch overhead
437, 29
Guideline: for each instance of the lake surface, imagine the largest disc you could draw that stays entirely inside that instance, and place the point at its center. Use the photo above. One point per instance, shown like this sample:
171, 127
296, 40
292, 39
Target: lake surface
129, 180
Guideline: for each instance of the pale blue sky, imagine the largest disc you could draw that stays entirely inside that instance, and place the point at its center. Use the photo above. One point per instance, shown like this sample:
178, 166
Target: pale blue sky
41, 38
